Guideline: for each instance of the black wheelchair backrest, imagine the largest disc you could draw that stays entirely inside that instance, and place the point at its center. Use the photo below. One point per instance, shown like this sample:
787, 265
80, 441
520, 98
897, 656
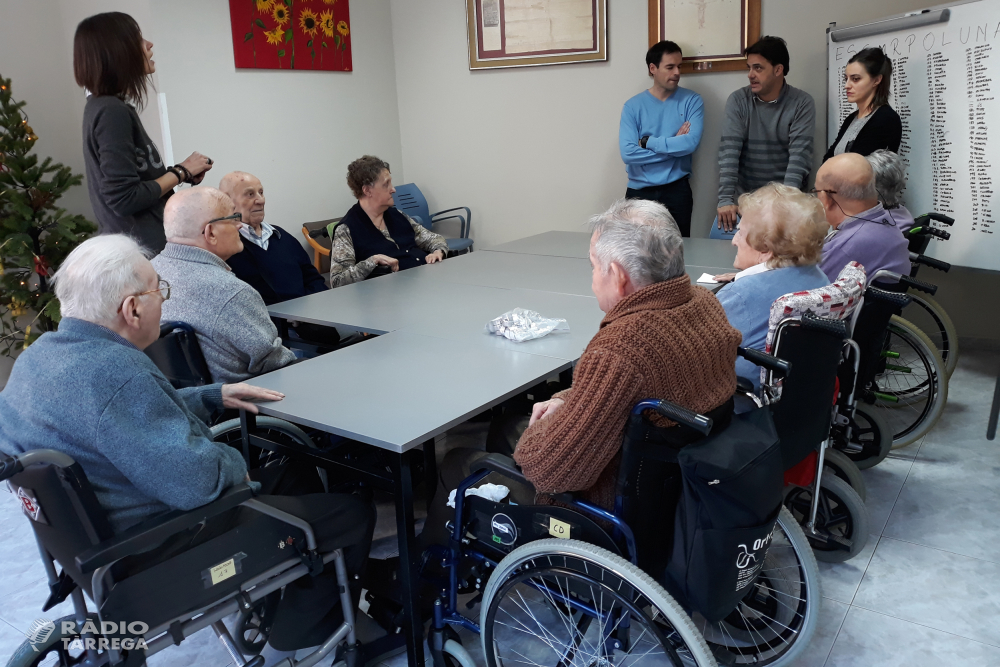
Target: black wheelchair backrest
870, 331
178, 356
63, 510
802, 416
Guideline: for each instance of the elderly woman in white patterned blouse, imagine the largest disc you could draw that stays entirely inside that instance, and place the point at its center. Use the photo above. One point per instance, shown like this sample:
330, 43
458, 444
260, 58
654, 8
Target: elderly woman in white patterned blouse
374, 238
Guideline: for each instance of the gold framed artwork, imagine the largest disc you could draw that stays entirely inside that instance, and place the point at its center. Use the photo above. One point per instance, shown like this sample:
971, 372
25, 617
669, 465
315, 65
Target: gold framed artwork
713, 34
525, 33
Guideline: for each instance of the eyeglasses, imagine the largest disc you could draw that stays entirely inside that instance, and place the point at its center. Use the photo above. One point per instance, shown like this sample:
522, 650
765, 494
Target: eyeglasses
815, 192
163, 289
237, 219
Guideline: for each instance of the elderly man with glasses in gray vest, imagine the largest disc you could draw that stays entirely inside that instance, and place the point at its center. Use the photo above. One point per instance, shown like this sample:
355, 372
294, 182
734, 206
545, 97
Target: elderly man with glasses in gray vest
229, 317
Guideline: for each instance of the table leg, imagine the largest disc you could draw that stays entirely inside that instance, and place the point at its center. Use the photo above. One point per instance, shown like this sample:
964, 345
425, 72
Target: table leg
409, 554
282, 324
430, 471
991, 427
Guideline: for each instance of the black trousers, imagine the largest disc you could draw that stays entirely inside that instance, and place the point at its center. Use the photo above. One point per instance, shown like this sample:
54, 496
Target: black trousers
675, 196
309, 610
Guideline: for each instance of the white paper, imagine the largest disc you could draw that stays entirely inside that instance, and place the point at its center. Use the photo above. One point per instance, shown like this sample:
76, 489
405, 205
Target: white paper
708, 278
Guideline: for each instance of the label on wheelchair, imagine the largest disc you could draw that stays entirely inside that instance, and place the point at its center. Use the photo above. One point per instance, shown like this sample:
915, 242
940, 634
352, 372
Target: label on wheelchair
504, 530
559, 528
227, 569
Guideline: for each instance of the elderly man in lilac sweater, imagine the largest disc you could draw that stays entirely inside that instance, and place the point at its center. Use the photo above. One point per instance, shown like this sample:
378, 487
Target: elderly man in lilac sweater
863, 231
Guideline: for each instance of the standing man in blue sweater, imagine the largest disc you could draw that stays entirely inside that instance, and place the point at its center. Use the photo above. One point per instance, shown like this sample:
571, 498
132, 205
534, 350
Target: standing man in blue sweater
660, 130
273, 261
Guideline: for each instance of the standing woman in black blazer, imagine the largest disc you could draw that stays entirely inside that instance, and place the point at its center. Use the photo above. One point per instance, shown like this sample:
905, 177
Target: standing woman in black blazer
875, 124
126, 177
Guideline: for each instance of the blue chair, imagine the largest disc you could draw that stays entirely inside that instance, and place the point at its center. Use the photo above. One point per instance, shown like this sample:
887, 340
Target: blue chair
411, 201
718, 233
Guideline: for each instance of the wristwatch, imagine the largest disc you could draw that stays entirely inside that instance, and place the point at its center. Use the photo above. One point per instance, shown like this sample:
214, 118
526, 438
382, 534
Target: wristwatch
642, 142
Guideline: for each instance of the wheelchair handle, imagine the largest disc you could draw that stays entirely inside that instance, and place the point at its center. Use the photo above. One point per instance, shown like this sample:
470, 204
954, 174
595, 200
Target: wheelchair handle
930, 261
836, 327
918, 285
503, 465
939, 217
895, 298
768, 361
676, 413
11, 465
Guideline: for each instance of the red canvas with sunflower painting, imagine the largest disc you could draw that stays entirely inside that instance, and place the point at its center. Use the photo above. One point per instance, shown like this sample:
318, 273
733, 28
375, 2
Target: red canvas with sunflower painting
291, 34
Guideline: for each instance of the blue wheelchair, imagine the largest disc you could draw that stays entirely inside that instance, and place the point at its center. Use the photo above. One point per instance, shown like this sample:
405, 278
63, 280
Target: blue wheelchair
572, 584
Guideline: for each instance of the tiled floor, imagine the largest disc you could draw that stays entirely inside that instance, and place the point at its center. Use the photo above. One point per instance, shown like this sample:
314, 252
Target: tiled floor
925, 590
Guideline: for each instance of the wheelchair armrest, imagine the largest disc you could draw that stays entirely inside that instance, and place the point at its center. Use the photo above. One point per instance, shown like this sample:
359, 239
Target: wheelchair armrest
744, 385
149, 534
503, 465
774, 364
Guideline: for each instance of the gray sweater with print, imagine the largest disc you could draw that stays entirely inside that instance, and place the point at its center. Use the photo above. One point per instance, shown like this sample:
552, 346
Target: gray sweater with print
765, 141
122, 164
237, 337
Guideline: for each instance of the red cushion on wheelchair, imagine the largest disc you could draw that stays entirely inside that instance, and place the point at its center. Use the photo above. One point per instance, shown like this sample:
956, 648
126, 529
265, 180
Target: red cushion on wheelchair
803, 473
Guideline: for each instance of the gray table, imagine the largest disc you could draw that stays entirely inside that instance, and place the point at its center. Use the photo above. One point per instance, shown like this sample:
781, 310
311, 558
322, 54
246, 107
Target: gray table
360, 392
715, 253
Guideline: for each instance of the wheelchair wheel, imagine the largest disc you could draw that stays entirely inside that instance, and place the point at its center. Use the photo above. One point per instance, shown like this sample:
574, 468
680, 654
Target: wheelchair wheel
535, 611
456, 655
871, 439
254, 627
841, 514
838, 464
775, 621
927, 314
51, 651
911, 393
272, 428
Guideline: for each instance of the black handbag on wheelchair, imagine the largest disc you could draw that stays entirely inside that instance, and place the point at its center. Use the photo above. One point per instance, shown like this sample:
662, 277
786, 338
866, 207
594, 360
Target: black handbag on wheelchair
731, 486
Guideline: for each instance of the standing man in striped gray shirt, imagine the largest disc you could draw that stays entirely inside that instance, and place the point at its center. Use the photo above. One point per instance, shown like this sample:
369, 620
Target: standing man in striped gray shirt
768, 132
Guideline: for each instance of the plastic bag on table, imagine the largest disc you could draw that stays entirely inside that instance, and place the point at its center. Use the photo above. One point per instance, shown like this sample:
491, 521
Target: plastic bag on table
520, 325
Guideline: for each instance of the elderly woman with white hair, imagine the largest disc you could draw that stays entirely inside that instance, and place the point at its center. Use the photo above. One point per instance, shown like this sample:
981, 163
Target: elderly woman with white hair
778, 246
890, 181
661, 337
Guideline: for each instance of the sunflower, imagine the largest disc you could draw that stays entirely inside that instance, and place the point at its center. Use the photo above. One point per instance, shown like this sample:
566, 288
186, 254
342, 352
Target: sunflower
326, 22
281, 15
309, 22
343, 29
265, 6
274, 37
329, 2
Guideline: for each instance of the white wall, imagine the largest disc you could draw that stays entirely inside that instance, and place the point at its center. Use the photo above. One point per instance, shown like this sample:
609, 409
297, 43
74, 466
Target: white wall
536, 149
297, 131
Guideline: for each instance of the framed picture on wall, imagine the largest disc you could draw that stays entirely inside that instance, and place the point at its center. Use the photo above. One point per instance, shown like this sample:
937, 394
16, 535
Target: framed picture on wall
523, 33
713, 34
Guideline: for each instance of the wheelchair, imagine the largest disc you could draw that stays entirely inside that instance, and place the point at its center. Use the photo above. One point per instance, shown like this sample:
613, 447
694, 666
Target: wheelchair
901, 376
824, 490
141, 610
573, 583
923, 311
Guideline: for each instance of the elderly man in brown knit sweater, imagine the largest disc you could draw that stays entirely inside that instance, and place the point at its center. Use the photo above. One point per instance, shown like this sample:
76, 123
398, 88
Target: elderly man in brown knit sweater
661, 337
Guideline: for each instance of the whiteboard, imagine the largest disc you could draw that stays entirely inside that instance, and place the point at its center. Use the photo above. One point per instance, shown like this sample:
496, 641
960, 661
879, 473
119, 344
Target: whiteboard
943, 89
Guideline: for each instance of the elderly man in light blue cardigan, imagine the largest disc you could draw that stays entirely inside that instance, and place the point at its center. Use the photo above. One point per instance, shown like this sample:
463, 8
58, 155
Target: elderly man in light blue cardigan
89, 391
229, 317
778, 245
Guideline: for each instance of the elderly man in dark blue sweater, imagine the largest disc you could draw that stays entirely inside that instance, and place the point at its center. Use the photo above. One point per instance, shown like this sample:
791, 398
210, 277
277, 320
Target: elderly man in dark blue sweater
273, 262
89, 391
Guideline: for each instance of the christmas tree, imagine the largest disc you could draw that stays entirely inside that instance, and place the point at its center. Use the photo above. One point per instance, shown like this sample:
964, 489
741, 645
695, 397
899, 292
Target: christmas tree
35, 236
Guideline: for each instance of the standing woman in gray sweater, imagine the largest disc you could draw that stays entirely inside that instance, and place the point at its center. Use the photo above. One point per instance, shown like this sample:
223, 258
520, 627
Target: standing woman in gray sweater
126, 177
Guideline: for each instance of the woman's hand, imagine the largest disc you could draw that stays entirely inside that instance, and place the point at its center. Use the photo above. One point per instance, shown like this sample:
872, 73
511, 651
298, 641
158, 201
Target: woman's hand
233, 396
725, 277
545, 409
385, 260
197, 164
435, 257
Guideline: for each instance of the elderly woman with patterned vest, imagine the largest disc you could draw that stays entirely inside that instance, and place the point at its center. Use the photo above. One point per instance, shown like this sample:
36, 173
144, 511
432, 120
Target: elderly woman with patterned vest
374, 238
778, 245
